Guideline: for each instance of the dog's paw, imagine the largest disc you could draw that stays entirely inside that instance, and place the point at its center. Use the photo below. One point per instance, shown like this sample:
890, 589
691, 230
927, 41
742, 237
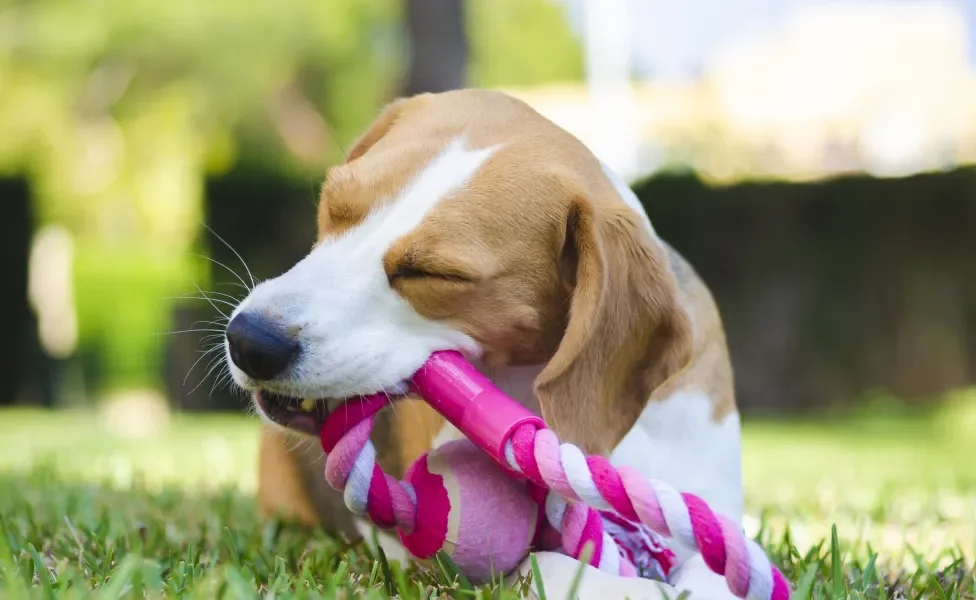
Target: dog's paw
559, 572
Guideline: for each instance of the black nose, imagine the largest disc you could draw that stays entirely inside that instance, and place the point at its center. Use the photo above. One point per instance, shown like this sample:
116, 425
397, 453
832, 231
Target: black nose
258, 347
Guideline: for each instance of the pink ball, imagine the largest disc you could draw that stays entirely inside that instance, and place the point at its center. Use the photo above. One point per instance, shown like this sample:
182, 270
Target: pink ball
468, 506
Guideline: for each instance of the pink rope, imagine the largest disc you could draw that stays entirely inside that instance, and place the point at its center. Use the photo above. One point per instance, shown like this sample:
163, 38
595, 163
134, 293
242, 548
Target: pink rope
345, 441
537, 455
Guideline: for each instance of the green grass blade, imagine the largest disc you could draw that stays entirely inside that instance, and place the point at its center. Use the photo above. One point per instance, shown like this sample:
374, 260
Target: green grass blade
537, 576
870, 575
42, 573
804, 590
121, 578
838, 574
237, 587
391, 584
8, 566
452, 572
585, 555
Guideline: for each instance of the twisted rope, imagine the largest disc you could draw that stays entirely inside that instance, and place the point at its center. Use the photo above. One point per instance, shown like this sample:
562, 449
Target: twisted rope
575, 479
579, 488
351, 467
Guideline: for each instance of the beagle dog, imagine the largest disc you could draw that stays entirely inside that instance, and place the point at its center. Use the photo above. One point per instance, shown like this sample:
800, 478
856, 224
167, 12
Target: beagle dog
465, 220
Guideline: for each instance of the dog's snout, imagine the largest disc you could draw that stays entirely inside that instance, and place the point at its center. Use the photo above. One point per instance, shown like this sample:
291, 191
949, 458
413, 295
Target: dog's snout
259, 347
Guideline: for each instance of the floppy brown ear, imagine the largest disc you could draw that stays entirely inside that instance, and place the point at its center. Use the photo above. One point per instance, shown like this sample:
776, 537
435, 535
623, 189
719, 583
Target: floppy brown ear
380, 126
626, 333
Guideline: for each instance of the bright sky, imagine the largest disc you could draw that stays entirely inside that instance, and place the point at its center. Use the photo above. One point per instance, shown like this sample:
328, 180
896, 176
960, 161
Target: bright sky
672, 38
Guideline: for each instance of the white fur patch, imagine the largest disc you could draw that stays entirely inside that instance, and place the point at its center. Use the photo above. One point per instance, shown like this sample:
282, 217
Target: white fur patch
676, 440
358, 336
628, 196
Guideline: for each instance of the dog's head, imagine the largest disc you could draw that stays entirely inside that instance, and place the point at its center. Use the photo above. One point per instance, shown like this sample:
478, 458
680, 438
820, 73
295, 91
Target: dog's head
467, 221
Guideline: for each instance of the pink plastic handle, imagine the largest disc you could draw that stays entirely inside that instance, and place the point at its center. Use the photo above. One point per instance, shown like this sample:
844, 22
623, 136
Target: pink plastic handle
471, 402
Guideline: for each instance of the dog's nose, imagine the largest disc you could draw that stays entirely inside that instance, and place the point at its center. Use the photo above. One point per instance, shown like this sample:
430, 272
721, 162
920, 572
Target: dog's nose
259, 347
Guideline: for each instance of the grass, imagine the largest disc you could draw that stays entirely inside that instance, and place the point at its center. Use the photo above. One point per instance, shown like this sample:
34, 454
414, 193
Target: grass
881, 507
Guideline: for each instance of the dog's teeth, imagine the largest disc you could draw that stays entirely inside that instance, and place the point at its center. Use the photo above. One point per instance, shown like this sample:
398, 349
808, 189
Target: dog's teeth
308, 404
291, 407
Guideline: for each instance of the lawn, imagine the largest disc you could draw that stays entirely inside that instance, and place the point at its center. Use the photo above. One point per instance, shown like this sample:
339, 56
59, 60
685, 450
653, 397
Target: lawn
84, 511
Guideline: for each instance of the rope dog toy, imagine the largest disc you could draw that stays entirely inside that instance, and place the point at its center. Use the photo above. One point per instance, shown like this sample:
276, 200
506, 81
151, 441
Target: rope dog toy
511, 487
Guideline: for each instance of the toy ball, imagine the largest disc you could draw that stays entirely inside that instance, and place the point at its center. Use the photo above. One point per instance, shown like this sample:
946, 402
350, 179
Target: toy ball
469, 507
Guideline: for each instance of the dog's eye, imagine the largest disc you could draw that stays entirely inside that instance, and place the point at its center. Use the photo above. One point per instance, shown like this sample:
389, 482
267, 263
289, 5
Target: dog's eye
405, 272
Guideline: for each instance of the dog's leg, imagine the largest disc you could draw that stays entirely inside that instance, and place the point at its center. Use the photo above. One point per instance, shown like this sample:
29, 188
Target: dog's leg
291, 485
281, 487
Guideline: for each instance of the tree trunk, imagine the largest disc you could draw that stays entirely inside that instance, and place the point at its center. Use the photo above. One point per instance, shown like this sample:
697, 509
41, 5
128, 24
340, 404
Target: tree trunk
438, 46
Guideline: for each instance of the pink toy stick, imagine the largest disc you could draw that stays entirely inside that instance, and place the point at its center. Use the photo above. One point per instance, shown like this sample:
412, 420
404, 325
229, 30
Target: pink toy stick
470, 402
517, 439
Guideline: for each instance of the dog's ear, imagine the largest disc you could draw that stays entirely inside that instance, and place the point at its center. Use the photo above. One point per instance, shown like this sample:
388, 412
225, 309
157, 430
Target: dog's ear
626, 332
381, 125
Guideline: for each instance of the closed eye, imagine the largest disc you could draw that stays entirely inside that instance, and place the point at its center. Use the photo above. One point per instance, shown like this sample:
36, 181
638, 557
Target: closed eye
407, 272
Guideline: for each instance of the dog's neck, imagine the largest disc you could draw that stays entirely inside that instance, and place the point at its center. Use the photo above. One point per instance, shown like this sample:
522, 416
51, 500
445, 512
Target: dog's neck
516, 382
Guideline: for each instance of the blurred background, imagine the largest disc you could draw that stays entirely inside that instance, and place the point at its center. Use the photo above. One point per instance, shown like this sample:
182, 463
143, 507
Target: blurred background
813, 160
810, 159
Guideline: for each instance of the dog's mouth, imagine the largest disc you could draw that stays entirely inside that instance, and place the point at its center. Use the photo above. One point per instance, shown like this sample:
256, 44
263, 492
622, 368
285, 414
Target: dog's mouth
304, 415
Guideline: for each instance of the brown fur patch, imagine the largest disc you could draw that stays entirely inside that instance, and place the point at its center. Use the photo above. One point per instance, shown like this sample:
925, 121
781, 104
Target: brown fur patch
416, 424
282, 492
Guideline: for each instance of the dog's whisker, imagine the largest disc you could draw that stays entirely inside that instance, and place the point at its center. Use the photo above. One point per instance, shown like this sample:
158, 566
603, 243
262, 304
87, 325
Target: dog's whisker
235, 284
223, 381
306, 446
236, 253
211, 302
220, 264
214, 363
216, 322
202, 294
224, 371
232, 305
195, 363
220, 331
225, 295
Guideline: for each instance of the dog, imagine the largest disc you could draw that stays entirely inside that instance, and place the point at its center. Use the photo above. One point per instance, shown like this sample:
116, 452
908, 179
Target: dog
467, 221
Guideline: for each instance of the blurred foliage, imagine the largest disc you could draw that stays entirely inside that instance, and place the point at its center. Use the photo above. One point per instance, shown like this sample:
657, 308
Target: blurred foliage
519, 43
116, 111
